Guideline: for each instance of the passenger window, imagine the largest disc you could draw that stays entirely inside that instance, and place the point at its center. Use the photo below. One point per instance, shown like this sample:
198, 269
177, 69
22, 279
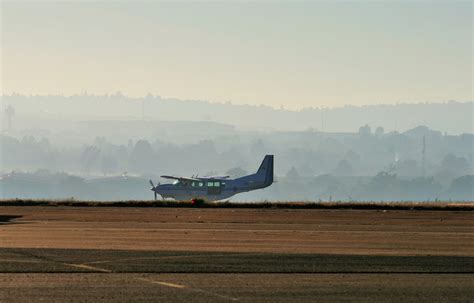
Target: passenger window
217, 184
210, 184
193, 184
201, 184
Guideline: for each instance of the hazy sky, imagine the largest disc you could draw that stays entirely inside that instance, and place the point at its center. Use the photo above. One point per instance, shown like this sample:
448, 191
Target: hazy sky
275, 53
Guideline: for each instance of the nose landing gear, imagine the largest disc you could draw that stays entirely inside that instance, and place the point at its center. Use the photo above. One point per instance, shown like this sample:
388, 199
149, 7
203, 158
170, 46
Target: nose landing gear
197, 202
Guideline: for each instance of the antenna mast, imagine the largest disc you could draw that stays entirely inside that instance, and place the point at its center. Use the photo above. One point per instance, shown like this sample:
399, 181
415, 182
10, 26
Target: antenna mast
423, 157
10, 112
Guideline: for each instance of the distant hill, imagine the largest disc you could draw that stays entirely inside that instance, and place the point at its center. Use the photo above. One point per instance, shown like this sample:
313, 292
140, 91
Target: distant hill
451, 117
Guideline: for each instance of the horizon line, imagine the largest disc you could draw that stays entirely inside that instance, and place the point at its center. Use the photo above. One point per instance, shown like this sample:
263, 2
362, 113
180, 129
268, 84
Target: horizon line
276, 108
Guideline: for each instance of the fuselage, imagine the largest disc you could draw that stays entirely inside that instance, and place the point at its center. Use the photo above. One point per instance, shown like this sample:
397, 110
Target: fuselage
206, 189
214, 189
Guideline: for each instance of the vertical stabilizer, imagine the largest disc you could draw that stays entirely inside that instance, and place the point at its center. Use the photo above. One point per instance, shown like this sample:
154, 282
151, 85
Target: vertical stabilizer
265, 171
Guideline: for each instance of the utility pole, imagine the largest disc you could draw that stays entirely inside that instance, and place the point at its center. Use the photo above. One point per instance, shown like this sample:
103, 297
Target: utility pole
322, 120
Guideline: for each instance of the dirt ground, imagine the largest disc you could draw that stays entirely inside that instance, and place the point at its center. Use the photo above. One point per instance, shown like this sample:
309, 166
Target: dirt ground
98, 254
365, 232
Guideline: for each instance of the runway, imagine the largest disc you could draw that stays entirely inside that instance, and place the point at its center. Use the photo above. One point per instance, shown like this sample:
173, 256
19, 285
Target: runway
249, 255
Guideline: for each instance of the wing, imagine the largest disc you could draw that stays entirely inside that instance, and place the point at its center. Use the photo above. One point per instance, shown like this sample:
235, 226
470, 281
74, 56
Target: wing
179, 178
216, 177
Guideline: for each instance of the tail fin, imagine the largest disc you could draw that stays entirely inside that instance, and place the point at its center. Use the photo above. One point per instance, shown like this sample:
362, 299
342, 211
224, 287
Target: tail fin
266, 170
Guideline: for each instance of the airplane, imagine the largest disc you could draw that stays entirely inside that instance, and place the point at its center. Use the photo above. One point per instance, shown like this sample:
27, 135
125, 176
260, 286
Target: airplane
215, 188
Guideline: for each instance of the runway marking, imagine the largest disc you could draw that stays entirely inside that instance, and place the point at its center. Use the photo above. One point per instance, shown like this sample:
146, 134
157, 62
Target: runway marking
143, 258
162, 283
84, 266
20, 261
179, 286
168, 257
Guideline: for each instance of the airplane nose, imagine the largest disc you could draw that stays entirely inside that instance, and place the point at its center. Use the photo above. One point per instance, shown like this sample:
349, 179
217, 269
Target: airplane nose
159, 188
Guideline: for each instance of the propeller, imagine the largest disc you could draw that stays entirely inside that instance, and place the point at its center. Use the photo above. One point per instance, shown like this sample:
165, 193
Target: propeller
153, 188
